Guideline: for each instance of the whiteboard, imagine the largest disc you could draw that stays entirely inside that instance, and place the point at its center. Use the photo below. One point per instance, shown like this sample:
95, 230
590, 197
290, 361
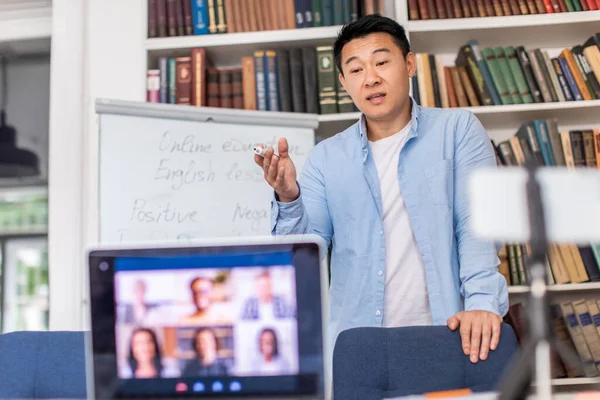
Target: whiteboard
168, 174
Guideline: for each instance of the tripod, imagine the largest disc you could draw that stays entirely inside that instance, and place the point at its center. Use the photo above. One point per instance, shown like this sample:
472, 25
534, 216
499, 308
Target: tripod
535, 354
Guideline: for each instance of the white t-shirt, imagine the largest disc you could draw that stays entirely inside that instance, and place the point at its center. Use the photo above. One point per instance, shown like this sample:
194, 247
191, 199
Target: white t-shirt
405, 296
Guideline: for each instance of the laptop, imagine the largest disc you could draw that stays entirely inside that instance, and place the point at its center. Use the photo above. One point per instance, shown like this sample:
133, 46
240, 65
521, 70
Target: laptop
235, 318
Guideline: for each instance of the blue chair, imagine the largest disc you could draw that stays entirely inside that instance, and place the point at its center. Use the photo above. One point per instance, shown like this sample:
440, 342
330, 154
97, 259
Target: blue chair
376, 363
42, 365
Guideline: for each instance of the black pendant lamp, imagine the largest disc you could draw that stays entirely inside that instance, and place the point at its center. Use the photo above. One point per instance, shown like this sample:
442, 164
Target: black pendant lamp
14, 162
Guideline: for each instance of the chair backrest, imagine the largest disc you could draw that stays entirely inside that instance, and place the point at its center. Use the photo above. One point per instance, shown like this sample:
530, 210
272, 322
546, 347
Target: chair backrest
37, 365
375, 363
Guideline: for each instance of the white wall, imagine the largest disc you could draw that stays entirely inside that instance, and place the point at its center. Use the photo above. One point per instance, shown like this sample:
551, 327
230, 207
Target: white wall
27, 108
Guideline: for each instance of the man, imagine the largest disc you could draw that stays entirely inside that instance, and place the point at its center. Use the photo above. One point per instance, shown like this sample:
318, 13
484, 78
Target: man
265, 305
205, 313
392, 193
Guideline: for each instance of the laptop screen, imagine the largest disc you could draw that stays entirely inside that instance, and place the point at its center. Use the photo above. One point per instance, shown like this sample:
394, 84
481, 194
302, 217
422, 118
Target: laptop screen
208, 321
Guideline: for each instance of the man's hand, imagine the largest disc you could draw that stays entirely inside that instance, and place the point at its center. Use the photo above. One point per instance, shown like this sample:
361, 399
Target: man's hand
479, 331
280, 172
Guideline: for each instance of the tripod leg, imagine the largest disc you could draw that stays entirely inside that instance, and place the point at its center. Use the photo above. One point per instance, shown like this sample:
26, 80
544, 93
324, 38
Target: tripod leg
516, 382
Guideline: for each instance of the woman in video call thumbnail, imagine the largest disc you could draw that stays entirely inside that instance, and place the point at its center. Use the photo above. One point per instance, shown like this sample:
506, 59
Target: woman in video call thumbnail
207, 363
145, 359
271, 362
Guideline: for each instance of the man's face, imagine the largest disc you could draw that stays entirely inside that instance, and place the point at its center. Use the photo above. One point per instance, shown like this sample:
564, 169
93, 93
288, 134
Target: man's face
376, 75
201, 293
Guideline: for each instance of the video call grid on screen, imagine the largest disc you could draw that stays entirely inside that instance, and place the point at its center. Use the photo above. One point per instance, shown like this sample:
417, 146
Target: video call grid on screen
207, 315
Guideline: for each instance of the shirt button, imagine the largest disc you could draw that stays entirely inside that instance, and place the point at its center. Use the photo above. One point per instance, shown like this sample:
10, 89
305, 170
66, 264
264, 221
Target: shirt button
380, 273
381, 232
377, 312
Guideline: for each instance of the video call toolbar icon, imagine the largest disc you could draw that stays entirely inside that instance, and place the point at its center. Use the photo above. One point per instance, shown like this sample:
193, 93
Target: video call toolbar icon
199, 387
181, 387
235, 386
217, 386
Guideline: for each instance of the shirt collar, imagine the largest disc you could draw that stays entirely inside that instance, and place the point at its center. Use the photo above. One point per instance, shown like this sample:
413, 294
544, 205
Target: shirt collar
415, 113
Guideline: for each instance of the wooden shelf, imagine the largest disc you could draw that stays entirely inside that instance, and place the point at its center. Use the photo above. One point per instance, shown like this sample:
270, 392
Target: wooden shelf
508, 22
575, 381
514, 108
339, 117
566, 288
484, 110
281, 37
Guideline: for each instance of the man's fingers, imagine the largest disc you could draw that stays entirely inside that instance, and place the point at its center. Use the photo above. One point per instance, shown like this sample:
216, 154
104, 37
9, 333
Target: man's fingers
486, 335
272, 173
452, 322
476, 327
282, 148
496, 327
465, 335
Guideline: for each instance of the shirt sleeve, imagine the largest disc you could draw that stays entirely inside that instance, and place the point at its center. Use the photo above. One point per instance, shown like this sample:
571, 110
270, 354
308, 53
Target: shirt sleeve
309, 213
482, 285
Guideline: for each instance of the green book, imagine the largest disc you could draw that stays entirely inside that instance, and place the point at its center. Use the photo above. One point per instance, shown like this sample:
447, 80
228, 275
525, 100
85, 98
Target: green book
317, 16
497, 76
511, 85
326, 77
518, 75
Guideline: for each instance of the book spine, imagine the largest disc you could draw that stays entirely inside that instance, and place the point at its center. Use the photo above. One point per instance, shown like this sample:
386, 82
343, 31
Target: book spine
261, 83
152, 19
184, 80
212, 88
327, 10
179, 17
564, 66
249, 83
153, 86
309, 64
164, 79
198, 77
200, 17
326, 80
539, 77
518, 75
172, 72
271, 79
161, 18
226, 89
553, 77
317, 13
297, 80
528, 72
187, 17
562, 80
497, 76
284, 80
237, 88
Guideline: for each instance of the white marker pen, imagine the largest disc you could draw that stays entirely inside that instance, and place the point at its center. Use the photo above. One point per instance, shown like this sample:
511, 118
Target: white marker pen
260, 151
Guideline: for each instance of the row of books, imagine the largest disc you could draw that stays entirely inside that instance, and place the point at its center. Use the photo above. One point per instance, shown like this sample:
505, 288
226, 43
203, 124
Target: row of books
543, 142
301, 80
508, 75
576, 325
168, 18
443, 9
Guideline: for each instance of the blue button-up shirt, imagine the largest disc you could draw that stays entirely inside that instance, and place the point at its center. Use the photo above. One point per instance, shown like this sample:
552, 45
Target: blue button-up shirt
340, 200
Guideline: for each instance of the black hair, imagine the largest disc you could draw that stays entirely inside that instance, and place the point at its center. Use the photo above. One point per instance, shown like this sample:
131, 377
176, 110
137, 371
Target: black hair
157, 362
195, 341
363, 26
275, 344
